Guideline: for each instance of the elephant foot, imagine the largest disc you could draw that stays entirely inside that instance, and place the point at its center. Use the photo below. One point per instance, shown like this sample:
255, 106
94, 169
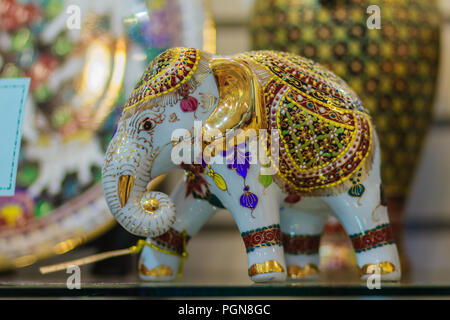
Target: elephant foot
269, 271
302, 266
155, 265
269, 277
308, 272
159, 273
383, 261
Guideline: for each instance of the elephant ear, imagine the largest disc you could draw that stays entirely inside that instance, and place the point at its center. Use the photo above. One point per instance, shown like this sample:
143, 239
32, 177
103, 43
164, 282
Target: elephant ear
240, 97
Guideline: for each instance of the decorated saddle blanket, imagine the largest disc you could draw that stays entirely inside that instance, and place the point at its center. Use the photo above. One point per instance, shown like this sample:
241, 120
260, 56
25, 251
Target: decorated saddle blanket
326, 136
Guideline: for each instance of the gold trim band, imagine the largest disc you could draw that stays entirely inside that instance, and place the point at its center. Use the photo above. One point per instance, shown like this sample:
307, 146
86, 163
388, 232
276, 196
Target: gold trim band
266, 267
297, 272
159, 271
384, 267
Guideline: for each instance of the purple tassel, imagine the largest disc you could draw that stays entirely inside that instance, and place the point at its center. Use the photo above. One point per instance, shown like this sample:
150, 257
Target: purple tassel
248, 199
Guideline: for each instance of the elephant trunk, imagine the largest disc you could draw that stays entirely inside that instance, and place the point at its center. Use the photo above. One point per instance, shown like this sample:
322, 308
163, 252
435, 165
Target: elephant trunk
141, 212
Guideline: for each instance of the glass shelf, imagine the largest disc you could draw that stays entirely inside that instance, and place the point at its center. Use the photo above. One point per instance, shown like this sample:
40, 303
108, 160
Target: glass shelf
137, 289
217, 268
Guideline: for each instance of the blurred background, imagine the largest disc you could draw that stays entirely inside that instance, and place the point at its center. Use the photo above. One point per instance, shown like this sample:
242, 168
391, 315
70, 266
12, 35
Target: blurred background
83, 68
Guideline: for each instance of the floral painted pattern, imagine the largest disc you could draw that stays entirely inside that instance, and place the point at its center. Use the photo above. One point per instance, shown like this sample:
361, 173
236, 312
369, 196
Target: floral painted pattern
197, 185
262, 237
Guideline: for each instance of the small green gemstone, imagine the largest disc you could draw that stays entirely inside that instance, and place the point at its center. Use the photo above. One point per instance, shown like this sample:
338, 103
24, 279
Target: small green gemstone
27, 176
43, 209
42, 93
62, 46
21, 40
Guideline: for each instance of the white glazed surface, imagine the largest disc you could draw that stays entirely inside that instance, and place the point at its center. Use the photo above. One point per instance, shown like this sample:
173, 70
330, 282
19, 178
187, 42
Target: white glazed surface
306, 217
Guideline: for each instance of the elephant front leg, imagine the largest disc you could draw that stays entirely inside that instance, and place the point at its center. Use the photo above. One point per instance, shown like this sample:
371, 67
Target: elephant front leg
262, 240
364, 216
162, 259
256, 212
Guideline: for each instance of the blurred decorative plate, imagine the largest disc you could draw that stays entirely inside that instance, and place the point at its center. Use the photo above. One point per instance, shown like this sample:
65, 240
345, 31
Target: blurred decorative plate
82, 57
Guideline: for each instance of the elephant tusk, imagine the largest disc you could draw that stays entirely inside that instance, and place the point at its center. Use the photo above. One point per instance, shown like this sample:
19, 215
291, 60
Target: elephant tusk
124, 188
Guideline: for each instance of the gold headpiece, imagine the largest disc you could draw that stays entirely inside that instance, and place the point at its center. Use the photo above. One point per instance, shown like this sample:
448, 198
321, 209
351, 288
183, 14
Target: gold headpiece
169, 76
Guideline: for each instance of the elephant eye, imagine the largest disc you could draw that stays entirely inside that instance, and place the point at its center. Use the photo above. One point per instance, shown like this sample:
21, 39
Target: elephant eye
147, 124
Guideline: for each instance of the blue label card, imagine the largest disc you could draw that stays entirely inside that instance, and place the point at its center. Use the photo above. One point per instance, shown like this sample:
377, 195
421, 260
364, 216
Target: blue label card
13, 96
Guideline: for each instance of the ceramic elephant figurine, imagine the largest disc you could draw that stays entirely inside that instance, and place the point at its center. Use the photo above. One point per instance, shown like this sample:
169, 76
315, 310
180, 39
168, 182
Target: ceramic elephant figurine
327, 162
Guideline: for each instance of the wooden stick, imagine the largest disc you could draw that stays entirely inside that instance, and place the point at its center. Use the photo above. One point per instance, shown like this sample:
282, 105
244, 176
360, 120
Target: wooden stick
86, 260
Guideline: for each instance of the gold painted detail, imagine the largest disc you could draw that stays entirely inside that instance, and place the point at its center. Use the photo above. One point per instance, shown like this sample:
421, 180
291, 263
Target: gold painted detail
159, 271
384, 267
124, 188
24, 261
297, 272
240, 97
376, 218
150, 205
266, 267
67, 245
208, 101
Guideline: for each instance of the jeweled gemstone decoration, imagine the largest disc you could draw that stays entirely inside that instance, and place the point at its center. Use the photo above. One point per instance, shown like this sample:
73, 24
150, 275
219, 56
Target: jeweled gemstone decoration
326, 134
167, 72
393, 69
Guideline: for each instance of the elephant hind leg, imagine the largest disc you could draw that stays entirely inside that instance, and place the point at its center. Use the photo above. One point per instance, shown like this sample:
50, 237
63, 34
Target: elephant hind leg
162, 259
301, 232
366, 220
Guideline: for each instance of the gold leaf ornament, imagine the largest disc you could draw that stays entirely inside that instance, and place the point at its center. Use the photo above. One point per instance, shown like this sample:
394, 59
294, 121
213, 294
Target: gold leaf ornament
266, 267
384, 267
219, 181
265, 180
